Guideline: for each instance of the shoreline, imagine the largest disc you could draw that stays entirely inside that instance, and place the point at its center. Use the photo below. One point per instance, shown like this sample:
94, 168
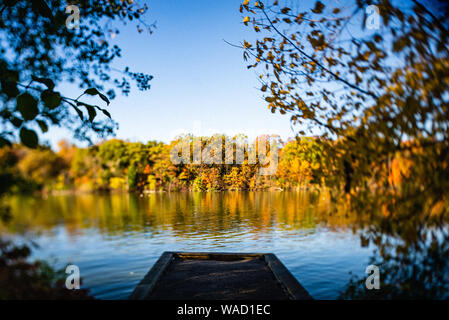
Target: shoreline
74, 192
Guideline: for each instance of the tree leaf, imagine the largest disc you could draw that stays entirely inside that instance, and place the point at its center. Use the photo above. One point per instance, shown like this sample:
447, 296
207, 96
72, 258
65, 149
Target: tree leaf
28, 137
16, 122
51, 99
80, 113
90, 110
92, 113
104, 98
42, 7
47, 82
42, 125
4, 142
106, 112
91, 91
94, 91
9, 88
27, 106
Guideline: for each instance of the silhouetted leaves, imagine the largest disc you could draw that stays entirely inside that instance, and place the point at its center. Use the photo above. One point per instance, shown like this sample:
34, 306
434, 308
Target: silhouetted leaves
79, 112
92, 113
24, 279
43, 125
51, 99
28, 137
40, 53
41, 7
16, 122
93, 92
4, 142
90, 110
106, 113
48, 82
27, 105
9, 88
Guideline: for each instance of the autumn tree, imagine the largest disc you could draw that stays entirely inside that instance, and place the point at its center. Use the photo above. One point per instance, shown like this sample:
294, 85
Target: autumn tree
41, 166
301, 162
372, 77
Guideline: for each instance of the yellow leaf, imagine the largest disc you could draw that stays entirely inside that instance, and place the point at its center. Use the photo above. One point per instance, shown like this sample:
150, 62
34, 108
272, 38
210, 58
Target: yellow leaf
245, 3
246, 20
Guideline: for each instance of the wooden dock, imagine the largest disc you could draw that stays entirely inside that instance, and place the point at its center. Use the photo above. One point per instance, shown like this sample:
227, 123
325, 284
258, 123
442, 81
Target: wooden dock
219, 276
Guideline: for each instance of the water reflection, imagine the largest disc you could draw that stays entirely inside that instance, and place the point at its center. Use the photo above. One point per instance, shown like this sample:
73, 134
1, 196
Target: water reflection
184, 214
116, 238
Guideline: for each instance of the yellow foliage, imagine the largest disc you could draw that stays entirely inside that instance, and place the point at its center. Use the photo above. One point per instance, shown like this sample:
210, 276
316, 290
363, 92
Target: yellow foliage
117, 183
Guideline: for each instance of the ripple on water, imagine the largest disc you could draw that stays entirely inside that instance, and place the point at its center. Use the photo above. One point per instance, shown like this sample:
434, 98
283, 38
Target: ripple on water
115, 245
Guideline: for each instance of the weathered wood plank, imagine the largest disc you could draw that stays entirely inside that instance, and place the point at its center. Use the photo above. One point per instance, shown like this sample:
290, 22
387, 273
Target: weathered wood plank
178, 274
217, 255
295, 290
146, 285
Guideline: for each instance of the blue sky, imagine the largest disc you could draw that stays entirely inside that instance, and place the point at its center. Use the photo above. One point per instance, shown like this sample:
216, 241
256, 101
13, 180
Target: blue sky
199, 81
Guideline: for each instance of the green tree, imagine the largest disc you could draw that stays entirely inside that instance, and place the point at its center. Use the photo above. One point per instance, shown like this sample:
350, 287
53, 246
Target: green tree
132, 177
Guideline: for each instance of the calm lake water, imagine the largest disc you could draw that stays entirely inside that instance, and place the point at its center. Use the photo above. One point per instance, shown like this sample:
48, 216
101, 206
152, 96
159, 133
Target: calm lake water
115, 239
